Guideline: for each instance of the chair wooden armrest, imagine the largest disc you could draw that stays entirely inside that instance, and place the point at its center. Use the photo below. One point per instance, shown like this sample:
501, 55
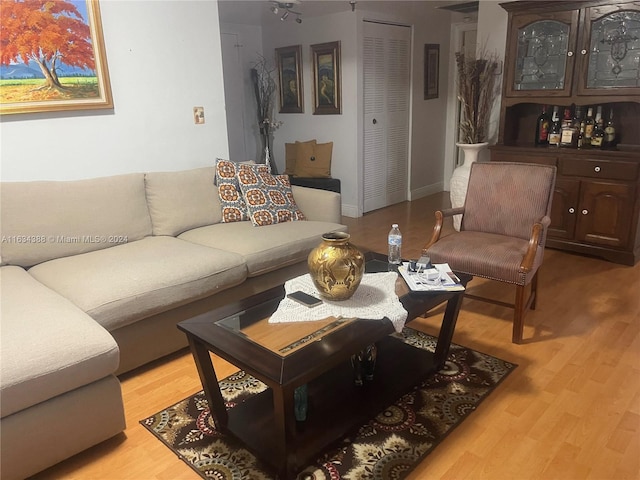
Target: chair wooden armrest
437, 228
537, 232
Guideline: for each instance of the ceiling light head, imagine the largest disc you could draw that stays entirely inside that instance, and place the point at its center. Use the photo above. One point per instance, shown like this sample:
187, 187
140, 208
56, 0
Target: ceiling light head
274, 9
298, 19
284, 16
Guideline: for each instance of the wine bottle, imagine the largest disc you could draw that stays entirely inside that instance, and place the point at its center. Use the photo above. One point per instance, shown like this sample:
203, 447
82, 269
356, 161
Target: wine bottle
597, 135
609, 140
569, 133
588, 127
580, 140
542, 127
554, 131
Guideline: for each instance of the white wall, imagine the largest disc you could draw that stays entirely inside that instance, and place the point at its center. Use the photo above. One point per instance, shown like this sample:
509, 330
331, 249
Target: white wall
339, 129
164, 58
428, 128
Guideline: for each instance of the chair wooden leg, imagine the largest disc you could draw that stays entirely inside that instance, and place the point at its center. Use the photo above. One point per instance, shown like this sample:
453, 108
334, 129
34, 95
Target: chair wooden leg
534, 291
518, 316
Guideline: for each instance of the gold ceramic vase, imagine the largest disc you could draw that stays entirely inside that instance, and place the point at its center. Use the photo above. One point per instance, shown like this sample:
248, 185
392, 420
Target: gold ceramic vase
336, 267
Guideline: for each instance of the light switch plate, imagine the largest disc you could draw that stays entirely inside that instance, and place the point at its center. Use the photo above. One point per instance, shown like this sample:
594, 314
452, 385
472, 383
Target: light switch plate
198, 115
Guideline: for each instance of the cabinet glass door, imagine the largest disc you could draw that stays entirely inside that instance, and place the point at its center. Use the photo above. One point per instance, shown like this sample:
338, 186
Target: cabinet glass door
614, 51
541, 52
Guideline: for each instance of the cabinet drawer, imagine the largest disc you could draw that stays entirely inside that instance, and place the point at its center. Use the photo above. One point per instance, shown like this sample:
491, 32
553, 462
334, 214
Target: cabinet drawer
523, 158
610, 169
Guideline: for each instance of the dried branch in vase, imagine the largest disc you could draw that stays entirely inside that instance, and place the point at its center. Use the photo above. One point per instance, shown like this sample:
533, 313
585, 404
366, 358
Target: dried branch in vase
476, 93
264, 87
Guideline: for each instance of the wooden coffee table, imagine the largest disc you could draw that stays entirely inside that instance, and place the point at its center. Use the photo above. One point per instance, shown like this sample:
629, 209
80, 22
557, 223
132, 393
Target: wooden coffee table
316, 354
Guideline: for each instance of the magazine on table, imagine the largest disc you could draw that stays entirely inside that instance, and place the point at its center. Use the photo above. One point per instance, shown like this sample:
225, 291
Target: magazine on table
439, 278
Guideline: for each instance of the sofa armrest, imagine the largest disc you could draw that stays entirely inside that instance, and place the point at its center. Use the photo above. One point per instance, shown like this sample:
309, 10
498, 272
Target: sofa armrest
318, 205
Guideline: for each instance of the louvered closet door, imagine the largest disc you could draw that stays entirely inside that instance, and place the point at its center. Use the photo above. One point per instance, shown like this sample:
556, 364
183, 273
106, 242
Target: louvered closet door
386, 114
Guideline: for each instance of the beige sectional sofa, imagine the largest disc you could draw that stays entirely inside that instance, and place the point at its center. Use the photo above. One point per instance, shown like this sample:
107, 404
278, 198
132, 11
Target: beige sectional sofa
95, 276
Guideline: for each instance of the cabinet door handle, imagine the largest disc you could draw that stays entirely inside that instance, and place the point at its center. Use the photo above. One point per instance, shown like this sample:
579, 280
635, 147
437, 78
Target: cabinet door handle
572, 210
583, 51
569, 54
596, 169
585, 211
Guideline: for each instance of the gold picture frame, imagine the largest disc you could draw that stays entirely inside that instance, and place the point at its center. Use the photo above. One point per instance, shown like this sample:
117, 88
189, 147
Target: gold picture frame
327, 95
44, 82
290, 89
431, 70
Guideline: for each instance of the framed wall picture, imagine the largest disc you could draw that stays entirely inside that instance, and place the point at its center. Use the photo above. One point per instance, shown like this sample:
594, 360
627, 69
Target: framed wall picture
45, 73
289, 61
327, 97
431, 70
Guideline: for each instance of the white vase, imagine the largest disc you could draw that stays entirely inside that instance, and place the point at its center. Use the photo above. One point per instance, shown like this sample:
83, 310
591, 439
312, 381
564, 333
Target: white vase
460, 178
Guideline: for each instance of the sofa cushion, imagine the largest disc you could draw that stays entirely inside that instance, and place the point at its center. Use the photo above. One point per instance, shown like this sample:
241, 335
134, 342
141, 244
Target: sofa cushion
120, 285
49, 345
46, 220
267, 248
268, 198
234, 209
180, 201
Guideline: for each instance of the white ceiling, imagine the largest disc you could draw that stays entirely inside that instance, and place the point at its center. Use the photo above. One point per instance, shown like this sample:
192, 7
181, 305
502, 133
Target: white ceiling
257, 12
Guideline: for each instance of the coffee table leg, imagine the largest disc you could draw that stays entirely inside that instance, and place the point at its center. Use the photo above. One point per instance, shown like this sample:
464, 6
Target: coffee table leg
283, 407
209, 383
447, 328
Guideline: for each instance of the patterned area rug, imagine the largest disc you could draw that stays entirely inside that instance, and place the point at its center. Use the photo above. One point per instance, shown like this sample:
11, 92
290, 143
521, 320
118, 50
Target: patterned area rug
387, 447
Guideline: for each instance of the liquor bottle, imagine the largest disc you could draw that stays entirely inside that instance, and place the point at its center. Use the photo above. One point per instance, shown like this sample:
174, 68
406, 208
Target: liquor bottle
395, 245
597, 135
580, 140
609, 140
588, 127
542, 127
554, 131
569, 133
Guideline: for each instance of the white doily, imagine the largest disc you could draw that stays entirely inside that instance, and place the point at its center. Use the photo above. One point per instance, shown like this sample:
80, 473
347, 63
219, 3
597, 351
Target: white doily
374, 299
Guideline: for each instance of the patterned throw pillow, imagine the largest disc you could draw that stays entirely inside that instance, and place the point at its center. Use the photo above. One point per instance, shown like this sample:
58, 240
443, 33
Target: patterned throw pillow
233, 207
269, 198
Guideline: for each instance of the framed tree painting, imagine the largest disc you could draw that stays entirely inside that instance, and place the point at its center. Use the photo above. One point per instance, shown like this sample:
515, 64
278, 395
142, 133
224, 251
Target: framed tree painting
41, 72
431, 70
289, 61
326, 79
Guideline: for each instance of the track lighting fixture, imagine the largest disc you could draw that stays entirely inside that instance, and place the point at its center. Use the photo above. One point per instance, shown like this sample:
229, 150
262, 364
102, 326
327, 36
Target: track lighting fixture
277, 6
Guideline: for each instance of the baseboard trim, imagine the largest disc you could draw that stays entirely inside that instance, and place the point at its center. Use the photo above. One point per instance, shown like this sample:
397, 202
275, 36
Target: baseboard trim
426, 191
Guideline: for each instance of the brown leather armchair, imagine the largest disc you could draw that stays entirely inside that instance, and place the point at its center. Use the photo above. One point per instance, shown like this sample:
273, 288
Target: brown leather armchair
503, 230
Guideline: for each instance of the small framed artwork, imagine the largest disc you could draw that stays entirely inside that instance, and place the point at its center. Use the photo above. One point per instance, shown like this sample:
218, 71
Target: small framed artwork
431, 70
43, 72
289, 61
326, 79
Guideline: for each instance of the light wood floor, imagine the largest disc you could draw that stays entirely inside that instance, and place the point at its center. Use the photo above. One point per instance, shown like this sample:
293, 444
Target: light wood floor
571, 410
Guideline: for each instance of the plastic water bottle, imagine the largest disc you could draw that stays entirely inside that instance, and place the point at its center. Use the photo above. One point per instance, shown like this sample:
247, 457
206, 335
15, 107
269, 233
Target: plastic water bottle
395, 245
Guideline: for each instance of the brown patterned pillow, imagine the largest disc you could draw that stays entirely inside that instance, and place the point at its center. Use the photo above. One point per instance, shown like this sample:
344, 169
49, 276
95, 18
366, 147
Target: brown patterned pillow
269, 198
233, 207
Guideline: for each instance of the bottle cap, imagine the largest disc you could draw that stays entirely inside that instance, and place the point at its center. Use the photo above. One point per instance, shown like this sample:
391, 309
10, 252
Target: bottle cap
395, 225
